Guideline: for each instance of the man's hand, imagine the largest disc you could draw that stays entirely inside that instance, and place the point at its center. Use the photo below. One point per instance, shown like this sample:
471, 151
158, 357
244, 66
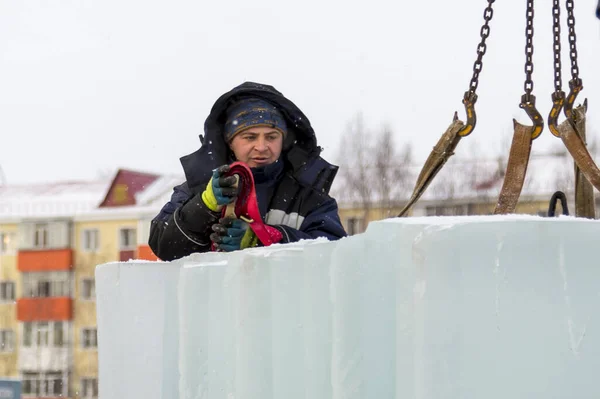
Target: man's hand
220, 190
231, 234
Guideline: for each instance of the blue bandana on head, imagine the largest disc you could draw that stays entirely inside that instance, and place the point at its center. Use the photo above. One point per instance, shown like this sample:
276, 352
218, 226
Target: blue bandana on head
252, 112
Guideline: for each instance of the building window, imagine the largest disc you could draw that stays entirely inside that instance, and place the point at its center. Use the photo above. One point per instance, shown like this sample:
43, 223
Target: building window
127, 239
44, 289
40, 238
60, 288
8, 243
46, 284
31, 384
91, 240
50, 383
89, 338
449, 210
88, 289
355, 225
58, 335
27, 334
44, 334
7, 340
54, 384
7, 291
89, 388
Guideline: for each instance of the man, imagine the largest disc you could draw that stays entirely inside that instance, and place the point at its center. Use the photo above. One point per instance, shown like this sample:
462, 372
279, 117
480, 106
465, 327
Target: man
257, 125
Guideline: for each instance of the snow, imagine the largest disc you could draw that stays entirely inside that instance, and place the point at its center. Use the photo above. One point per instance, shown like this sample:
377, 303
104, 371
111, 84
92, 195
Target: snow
57, 199
159, 192
444, 307
79, 200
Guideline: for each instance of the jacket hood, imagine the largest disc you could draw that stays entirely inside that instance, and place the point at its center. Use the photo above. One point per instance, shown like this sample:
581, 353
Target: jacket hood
299, 146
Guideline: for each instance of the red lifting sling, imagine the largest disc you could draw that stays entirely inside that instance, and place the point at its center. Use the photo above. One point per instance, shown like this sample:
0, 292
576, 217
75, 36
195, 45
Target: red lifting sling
246, 208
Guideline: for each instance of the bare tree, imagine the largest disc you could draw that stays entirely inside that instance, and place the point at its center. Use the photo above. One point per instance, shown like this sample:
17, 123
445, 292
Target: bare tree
391, 171
354, 164
372, 172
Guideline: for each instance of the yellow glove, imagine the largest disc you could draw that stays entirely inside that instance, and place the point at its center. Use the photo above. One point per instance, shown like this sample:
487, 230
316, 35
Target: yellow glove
232, 234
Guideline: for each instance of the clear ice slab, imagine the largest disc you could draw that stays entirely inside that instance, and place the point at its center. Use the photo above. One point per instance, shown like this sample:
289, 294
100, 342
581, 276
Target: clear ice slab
445, 307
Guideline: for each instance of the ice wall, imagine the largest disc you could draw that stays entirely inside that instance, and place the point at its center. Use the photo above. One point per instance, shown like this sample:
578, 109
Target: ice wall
466, 307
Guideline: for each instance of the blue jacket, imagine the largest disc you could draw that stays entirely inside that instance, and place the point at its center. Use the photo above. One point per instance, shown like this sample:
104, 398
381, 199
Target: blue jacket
292, 193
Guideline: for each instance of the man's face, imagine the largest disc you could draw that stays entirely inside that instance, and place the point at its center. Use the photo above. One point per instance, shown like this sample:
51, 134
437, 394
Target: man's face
257, 146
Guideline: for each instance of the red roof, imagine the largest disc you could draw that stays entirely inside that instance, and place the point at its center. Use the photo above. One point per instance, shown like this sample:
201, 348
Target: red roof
125, 186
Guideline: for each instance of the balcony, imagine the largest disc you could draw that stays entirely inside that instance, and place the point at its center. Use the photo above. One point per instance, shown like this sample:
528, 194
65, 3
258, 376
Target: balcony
41, 309
39, 359
144, 252
45, 260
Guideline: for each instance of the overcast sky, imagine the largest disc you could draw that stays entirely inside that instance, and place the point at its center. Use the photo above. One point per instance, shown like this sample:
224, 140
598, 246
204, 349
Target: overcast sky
89, 86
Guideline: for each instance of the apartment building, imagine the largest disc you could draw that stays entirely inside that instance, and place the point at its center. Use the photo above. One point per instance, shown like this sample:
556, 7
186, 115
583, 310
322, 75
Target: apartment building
52, 236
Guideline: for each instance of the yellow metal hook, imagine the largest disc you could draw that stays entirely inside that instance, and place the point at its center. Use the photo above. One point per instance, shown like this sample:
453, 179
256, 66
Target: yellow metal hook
528, 104
558, 101
469, 101
576, 85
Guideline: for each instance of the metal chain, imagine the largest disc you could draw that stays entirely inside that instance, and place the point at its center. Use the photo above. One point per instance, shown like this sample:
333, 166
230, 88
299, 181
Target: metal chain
558, 97
482, 47
572, 40
557, 46
529, 51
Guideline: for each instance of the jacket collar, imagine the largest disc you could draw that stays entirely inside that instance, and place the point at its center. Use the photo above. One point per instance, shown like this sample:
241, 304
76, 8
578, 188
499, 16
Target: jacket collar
267, 173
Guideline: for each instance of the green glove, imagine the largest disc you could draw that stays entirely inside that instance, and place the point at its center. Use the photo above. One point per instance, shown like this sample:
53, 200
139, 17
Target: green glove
232, 234
220, 190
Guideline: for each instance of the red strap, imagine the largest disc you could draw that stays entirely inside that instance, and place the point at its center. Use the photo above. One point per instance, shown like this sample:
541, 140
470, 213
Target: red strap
246, 205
